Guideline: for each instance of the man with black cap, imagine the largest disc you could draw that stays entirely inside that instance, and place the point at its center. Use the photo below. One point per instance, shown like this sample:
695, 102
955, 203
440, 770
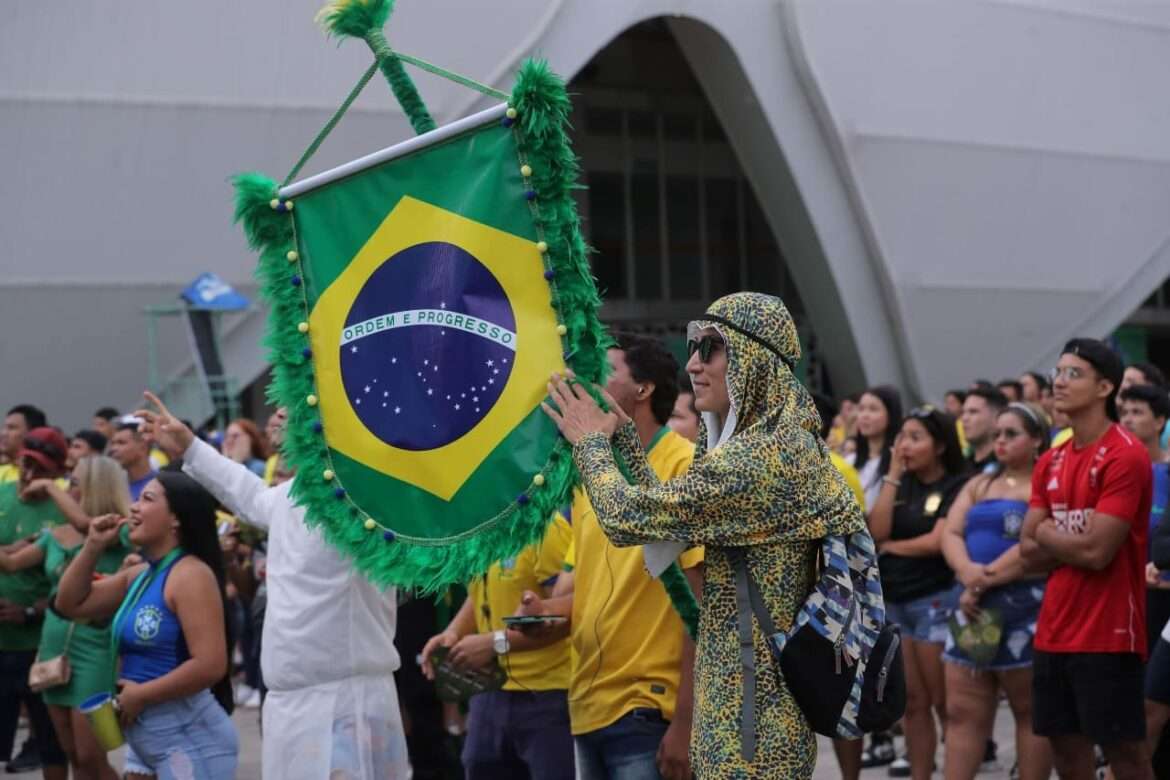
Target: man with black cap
1087, 521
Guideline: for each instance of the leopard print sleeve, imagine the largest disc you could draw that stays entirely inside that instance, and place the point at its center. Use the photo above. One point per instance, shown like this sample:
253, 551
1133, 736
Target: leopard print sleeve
736, 498
628, 445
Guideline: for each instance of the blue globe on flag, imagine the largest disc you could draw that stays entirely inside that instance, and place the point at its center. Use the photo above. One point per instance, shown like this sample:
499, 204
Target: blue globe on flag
428, 346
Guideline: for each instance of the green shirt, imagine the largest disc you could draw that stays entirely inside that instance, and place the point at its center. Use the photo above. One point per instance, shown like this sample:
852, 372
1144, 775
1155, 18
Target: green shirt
20, 520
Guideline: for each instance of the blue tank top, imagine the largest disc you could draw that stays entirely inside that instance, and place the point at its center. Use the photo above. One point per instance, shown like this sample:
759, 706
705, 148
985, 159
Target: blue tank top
150, 637
993, 528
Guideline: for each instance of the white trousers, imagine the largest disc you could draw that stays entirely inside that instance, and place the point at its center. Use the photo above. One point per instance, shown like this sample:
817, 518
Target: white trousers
345, 730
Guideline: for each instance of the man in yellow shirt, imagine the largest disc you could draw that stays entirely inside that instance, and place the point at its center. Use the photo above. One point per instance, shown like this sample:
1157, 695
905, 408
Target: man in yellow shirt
523, 729
827, 409
17, 423
630, 696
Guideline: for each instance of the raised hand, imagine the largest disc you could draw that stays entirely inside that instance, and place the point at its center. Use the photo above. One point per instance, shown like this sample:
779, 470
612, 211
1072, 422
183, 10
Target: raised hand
164, 427
576, 413
104, 530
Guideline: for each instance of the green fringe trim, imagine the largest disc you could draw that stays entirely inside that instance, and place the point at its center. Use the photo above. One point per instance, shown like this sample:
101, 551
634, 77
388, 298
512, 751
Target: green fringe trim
682, 598
354, 18
401, 84
365, 19
543, 108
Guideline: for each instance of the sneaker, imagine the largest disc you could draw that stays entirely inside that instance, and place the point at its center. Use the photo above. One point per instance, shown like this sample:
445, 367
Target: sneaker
900, 767
243, 693
879, 753
252, 701
28, 760
990, 764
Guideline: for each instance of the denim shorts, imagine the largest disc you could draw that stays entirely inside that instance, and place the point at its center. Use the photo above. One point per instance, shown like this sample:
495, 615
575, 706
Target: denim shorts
925, 618
186, 738
1018, 604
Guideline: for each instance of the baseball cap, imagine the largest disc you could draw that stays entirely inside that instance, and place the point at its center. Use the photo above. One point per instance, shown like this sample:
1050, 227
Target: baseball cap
47, 446
1108, 364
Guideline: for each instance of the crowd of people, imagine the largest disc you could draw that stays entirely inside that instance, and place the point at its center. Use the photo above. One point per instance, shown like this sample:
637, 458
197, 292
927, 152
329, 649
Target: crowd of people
1018, 524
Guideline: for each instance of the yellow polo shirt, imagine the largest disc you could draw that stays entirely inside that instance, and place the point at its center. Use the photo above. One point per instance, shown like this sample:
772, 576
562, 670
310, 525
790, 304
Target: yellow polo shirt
9, 473
497, 594
851, 478
270, 468
627, 638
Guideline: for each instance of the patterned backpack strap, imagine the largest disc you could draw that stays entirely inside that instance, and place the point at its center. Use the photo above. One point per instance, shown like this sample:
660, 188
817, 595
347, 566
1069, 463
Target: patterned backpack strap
863, 563
830, 605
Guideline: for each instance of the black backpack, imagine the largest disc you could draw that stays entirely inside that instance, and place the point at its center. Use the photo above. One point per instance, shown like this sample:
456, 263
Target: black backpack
840, 660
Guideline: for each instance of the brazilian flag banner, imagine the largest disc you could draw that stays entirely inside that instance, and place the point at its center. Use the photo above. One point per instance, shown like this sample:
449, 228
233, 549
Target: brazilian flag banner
421, 298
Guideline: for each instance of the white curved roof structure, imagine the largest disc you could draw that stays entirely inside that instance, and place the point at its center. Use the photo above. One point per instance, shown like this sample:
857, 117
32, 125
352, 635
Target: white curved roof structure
958, 188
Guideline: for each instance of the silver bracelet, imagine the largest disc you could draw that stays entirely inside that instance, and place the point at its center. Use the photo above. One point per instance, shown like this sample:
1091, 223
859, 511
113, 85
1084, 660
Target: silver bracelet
891, 481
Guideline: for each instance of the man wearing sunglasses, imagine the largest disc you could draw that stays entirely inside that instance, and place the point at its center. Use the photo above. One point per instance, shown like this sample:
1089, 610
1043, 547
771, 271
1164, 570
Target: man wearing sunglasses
24, 595
1087, 521
631, 689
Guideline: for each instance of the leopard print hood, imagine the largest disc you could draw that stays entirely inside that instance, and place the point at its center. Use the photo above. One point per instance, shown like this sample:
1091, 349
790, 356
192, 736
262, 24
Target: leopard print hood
763, 347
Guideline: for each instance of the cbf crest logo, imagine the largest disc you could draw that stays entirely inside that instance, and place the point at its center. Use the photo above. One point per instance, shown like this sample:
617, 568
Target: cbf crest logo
1013, 522
147, 622
420, 340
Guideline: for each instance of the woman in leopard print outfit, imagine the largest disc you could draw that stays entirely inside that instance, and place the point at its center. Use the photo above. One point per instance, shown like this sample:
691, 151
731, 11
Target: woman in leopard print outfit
762, 482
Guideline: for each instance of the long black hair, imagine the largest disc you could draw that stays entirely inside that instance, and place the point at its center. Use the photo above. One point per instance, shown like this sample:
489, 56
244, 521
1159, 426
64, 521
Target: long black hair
199, 536
892, 400
941, 427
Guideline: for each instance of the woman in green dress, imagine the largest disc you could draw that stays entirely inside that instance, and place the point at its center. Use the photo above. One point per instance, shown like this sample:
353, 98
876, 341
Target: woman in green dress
98, 486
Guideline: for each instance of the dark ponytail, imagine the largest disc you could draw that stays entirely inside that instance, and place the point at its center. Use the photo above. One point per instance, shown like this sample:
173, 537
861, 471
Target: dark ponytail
199, 536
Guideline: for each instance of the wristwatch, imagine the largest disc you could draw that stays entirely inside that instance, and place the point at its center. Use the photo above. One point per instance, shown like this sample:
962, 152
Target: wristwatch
500, 642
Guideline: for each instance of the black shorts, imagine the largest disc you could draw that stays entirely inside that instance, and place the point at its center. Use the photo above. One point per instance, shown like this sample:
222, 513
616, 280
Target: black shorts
1097, 695
1158, 673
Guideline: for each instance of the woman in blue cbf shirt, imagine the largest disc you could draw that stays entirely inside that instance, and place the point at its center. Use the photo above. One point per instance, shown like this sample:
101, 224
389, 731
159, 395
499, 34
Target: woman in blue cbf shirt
168, 628
989, 647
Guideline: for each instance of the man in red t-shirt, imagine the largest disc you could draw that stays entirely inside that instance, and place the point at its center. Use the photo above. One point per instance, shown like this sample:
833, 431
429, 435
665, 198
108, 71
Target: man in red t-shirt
1087, 521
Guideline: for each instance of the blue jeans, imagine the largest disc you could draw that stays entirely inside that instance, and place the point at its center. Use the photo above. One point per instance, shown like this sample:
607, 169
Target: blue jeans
926, 618
518, 734
186, 739
624, 750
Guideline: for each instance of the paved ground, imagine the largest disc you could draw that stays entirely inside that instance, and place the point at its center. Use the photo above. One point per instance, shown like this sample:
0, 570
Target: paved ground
248, 724
1004, 737
247, 721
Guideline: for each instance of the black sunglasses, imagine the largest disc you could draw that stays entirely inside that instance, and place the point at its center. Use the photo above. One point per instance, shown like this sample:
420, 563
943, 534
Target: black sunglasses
704, 346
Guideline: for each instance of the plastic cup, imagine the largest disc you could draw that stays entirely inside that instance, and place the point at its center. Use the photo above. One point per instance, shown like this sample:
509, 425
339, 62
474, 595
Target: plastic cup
99, 708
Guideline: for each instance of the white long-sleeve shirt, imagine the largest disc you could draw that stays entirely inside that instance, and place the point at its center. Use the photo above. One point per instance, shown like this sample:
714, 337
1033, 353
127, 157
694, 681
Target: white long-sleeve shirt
324, 621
